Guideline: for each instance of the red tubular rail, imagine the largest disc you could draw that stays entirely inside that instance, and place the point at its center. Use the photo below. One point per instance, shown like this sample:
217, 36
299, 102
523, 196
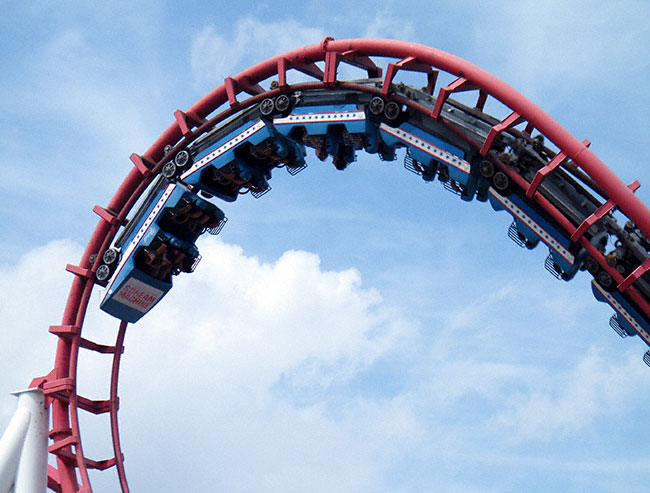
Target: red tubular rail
60, 384
115, 432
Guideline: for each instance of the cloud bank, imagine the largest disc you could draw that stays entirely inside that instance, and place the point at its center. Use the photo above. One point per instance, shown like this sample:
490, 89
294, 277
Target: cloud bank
286, 376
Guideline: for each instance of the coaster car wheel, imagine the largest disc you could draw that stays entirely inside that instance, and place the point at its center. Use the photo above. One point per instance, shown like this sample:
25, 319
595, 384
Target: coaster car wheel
103, 272
267, 106
282, 103
500, 181
605, 280
182, 158
111, 256
486, 169
169, 170
392, 111
376, 105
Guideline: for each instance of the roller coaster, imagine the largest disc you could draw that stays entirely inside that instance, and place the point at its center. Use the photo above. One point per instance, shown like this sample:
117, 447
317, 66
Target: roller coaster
559, 194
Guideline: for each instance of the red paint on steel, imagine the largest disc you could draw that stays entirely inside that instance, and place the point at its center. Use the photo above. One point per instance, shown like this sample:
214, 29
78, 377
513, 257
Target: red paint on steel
495, 131
140, 165
332, 60
413, 65
636, 274
53, 481
283, 66
65, 427
591, 220
529, 129
559, 158
482, 98
459, 85
106, 215
181, 120
114, 400
598, 215
231, 90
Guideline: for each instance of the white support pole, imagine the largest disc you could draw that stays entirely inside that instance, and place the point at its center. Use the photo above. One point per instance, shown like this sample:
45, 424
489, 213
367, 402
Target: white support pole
23, 447
11, 445
32, 469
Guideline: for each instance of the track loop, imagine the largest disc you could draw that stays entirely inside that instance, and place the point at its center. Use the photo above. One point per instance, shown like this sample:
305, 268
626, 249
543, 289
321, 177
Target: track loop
247, 89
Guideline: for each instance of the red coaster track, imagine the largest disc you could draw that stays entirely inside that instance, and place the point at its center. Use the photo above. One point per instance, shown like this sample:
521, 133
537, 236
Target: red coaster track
71, 472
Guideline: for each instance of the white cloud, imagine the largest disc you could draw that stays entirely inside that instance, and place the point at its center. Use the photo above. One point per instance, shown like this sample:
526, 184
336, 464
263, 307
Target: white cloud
548, 45
594, 388
222, 339
253, 327
388, 24
89, 109
285, 375
216, 55
33, 295
265, 371
86, 86
279, 314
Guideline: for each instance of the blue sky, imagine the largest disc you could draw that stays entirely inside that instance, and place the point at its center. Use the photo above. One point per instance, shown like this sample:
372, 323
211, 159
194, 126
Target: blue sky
355, 331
